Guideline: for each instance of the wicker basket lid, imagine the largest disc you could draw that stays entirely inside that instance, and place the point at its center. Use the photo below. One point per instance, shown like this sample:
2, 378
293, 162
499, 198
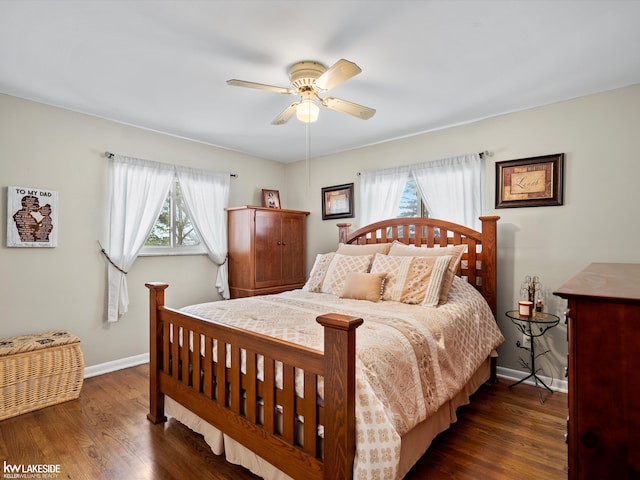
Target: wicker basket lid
28, 343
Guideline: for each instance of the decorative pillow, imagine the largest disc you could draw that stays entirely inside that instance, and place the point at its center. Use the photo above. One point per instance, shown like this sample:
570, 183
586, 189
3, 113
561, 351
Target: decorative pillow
364, 286
367, 249
412, 279
456, 252
338, 269
318, 272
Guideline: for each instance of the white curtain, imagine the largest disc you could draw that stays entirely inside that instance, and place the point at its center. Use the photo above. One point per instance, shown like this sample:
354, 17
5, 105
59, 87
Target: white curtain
138, 190
206, 195
381, 193
452, 188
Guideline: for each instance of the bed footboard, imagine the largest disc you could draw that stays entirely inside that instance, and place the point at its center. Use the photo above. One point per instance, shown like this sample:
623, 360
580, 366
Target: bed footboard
244, 384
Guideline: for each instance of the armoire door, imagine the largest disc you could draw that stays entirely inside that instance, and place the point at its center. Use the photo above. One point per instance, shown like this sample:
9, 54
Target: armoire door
293, 248
268, 249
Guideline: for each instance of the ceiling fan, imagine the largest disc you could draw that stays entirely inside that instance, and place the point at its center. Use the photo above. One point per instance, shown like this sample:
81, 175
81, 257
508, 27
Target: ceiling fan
309, 79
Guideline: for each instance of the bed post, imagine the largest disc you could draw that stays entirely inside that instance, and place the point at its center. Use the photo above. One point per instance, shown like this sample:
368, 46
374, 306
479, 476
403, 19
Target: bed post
156, 398
339, 394
489, 276
489, 261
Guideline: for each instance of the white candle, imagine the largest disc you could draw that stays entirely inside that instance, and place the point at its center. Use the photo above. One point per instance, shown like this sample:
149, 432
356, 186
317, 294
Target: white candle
524, 308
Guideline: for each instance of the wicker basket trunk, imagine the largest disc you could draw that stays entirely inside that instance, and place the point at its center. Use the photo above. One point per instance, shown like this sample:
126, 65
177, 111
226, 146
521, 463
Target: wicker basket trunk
37, 371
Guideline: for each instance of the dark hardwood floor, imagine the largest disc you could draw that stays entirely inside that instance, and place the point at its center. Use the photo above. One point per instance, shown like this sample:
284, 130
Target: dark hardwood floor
503, 434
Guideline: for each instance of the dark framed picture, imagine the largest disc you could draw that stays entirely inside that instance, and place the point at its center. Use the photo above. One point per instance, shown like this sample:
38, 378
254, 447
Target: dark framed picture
530, 182
271, 198
337, 201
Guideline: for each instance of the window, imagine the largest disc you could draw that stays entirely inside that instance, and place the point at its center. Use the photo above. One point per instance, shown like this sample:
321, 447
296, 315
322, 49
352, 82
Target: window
411, 204
173, 232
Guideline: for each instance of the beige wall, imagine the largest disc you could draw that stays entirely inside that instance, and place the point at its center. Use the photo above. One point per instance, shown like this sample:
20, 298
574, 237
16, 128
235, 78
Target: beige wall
599, 221
64, 287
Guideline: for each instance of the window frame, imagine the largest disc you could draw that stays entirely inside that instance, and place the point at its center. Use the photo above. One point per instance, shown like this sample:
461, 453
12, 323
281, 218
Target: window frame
172, 249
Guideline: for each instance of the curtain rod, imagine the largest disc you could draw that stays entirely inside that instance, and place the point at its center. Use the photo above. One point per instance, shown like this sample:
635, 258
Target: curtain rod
111, 155
486, 153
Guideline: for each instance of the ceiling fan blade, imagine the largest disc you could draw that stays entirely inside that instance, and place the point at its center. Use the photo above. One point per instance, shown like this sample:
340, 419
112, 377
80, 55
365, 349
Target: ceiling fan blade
351, 108
286, 114
337, 73
259, 86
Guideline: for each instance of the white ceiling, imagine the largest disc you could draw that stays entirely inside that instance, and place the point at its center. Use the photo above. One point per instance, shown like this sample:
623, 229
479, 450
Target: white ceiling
163, 65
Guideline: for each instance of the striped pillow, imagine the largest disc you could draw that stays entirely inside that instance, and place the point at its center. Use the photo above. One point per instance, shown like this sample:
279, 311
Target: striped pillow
413, 280
456, 252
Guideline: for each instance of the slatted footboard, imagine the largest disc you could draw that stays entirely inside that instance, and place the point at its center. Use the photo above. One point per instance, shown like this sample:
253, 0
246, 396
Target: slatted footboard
243, 384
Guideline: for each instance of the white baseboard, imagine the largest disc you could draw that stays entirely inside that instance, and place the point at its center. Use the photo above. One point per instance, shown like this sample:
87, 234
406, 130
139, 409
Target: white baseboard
114, 365
516, 375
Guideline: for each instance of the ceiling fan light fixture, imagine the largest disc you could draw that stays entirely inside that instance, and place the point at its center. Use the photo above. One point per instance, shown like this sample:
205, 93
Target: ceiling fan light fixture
307, 111
308, 79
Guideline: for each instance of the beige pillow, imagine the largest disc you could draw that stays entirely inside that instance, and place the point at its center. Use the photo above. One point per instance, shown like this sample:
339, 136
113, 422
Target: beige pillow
340, 266
368, 249
364, 286
412, 279
456, 252
318, 272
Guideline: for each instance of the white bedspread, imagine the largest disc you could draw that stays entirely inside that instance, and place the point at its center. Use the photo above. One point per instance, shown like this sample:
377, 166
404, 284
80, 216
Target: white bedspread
410, 359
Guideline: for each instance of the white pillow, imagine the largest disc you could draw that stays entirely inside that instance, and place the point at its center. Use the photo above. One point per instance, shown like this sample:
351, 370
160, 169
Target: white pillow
318, 272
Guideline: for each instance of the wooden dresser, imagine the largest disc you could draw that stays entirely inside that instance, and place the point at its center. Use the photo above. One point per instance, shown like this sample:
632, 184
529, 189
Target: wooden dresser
604, 371
267, 250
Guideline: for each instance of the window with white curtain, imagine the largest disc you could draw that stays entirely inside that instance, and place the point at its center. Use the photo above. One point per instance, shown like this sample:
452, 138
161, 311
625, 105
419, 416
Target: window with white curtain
448, 189
411, 203
380, 193
138, 193
173, 233
452, 188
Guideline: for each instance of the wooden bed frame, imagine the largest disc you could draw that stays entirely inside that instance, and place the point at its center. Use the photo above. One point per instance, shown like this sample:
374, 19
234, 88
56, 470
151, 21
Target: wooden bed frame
244, 407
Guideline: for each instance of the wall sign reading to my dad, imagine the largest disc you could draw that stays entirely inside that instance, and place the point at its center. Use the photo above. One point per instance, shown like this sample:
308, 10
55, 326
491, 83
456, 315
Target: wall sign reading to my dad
32, 217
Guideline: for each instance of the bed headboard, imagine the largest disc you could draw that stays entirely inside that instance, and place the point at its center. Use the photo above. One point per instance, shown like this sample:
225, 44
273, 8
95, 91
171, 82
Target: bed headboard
478, 264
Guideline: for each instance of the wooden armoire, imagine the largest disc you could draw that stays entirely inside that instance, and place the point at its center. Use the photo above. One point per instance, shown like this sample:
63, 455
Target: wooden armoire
603, 328
267, 250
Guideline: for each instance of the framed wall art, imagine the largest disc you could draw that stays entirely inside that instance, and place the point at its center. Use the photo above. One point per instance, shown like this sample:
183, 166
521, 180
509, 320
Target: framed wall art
32, 217
530, 182
271, 198
337, 201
